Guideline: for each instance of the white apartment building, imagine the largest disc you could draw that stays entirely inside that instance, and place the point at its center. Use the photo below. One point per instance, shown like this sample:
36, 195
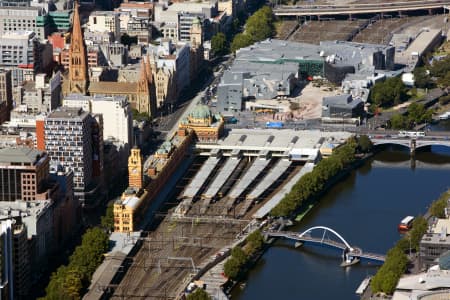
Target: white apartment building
105, 21
116, 111
74, 138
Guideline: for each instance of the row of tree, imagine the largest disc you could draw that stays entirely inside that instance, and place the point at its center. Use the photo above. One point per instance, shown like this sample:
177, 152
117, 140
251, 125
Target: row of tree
437, 208
386, 278
257, 28
234, 266
416, 114
71, 281
310, 184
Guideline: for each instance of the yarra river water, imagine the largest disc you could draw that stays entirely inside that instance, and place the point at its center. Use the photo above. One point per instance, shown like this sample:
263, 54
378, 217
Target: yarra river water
365, 208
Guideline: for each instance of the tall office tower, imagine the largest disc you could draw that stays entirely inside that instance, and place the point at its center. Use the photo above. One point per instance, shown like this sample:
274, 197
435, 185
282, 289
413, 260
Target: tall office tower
75, 139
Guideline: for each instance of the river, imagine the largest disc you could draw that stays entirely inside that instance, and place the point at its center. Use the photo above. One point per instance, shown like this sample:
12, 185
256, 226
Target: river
365, 208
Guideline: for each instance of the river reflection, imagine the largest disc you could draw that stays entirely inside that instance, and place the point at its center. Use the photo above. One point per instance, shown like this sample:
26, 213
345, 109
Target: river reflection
365, 209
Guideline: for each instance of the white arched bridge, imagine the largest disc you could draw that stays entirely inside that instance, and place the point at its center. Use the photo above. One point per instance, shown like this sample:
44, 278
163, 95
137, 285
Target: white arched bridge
351, 254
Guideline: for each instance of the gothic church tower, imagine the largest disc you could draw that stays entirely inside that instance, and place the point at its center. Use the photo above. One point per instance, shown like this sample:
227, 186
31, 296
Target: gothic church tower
78, 73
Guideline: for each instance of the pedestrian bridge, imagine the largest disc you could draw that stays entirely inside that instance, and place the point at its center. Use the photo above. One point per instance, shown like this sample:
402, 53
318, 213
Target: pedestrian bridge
351, 254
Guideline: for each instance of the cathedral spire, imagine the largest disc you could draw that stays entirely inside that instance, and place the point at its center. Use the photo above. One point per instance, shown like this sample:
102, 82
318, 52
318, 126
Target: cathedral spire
77, 57
148, 69
143, 78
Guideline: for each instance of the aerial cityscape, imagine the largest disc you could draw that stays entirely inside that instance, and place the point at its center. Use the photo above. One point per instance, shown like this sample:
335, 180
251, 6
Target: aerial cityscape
225, 149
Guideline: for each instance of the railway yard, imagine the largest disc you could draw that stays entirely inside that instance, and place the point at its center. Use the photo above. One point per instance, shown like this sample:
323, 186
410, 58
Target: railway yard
218, 196
180, 244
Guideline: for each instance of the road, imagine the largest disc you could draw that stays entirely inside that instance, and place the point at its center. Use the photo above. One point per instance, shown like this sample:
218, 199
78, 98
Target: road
167, 125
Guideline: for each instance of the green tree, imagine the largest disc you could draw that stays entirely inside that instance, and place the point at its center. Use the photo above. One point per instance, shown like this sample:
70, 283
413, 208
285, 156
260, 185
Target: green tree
73, 284
389, 282
364, 144
107, 220
422, 78
444, 81
219, 44
139, 116
391, 91
68, 282
398, 121
56, 289
419, 228
231, 268
241, 40
417, 113
440, 68
438, 206
239, 254
199, 294
255, 241
260, 25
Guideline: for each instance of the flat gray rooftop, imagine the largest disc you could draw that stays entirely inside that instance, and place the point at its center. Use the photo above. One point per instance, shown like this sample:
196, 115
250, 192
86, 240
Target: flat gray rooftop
272, 50
270, 178
199, 179
267, 207
275, 140
255, 169
222, 177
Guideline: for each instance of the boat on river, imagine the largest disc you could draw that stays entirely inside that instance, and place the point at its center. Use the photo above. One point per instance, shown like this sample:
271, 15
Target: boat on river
406, 224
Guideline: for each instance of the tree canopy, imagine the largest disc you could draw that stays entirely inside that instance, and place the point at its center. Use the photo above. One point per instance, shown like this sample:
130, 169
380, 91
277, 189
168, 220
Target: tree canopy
438, 206
219, 45
241, 40
392, 91
422, 78
416, 114
440, 68
69, 282
198, 294
260, 25
107, 220
257, 28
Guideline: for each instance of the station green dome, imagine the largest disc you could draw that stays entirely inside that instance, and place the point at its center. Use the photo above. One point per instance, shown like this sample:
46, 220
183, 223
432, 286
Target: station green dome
201, 112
